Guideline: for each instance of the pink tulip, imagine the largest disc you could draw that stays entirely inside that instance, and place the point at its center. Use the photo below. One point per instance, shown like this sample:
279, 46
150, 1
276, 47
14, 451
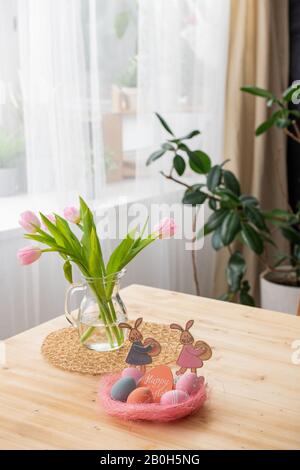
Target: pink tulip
29, 255
166, 228
29, 221
72, 214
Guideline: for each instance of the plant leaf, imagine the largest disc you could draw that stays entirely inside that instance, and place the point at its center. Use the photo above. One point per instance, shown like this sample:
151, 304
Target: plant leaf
227, 195
230, 227
199, 162
214, 177
216, 239
164, 124
212, 203
194, 197
94, 259
256, 91
143, 243
121, 253
155, 156
292, 91
290, 234
282, 123
166, 146
255, 217
246, 299
179, 164
60, 239
252, 239
87, 239
248, 200
216, 218
231, 182
265, 126
190, 135
64, 227
235, 271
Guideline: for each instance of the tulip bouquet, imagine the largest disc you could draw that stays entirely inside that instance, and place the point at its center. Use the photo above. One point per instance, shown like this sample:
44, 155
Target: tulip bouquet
54, 232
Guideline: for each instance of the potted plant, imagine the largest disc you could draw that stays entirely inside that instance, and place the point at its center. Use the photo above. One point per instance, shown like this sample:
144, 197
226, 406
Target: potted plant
11, 149
236, 219
280, 287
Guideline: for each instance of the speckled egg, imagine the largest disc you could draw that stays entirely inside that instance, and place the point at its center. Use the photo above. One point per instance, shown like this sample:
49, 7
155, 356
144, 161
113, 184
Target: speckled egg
140, 395
174, 397
133, 372
188, 383
122, 388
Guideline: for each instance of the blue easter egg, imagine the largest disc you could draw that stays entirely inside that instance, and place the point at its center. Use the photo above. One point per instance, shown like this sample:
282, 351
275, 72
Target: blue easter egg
122, 388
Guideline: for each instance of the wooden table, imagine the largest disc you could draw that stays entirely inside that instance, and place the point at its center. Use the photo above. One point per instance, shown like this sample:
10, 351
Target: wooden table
254, 386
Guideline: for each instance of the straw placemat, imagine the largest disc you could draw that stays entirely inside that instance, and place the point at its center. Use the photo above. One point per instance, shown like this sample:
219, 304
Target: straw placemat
63, 350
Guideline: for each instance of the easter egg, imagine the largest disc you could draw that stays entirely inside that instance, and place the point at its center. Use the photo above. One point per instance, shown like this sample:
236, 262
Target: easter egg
189, 383
122, 388
133, 372
159, 380
174, 397
140, 395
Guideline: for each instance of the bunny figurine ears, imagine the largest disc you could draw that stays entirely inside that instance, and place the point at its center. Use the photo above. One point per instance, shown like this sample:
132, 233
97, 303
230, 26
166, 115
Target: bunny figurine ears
137, 323
188, 325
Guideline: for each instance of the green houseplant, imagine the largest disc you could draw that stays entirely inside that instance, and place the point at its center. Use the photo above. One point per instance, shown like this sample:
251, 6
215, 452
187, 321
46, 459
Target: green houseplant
236, 218
282, 286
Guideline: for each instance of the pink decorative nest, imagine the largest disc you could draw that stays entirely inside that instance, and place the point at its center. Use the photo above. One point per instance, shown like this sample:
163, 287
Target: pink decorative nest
148, 412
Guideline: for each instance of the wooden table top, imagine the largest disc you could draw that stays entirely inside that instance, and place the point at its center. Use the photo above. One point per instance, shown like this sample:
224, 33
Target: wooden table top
254, 398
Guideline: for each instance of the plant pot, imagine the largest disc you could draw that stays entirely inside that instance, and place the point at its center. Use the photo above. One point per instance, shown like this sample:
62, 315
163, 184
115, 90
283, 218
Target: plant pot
278, 297
9, 181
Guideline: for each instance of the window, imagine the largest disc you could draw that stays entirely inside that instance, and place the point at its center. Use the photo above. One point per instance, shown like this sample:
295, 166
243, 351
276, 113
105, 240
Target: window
81, 80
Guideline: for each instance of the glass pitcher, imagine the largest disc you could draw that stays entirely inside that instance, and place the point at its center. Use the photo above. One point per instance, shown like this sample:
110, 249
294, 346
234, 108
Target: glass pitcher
99, 312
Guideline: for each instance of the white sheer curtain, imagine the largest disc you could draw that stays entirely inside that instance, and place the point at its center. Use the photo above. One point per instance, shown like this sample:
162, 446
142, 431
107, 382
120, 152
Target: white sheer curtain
60, 87
92, 73
182, 66
74, 53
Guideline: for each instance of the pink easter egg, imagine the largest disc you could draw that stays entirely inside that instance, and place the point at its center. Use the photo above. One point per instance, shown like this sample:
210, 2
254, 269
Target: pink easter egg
132, 372
174, 397
189, 383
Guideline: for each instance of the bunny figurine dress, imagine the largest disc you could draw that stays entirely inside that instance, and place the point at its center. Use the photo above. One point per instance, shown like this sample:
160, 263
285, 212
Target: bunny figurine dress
189, 357
138, 354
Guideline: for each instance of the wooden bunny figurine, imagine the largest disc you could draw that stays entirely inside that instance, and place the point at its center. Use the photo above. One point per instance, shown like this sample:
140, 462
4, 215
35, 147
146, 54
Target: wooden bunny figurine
139, 353
191, 356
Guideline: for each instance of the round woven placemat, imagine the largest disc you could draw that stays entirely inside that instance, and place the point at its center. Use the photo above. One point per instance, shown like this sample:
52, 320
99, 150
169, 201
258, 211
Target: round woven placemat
63, 350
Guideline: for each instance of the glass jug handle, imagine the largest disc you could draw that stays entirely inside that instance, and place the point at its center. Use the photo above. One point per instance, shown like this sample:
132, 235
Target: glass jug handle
69, 313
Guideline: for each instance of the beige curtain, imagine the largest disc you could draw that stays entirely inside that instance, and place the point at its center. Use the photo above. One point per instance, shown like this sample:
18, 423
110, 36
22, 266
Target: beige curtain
258, 55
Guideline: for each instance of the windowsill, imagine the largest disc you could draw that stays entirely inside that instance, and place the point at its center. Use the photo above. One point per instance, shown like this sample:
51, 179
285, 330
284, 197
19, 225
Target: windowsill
115, 194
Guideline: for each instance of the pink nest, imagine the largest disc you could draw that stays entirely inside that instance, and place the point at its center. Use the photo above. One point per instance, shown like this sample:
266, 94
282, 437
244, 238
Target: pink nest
148, 412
